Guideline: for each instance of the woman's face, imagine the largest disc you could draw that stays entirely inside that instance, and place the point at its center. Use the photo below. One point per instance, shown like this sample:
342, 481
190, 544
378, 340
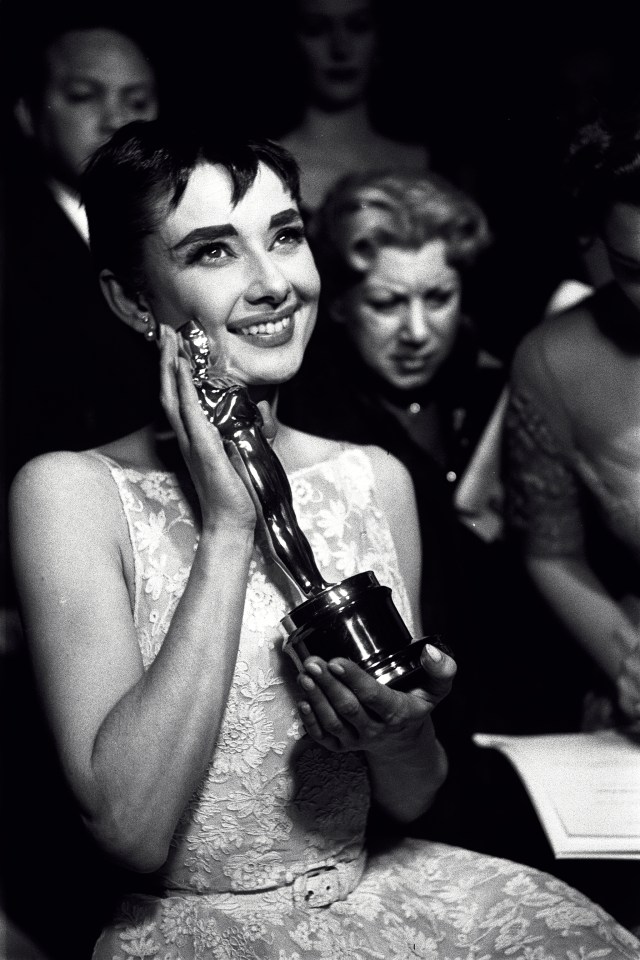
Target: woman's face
338, 42
403, 317
621, 236
244, 272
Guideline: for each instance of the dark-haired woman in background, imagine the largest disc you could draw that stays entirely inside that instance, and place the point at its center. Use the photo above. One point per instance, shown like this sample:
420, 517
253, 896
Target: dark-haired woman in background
573, 436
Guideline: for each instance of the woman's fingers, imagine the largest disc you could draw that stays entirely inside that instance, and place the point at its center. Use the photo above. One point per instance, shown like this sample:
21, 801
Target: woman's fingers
377, 700
269, 425
332, 701
439, 671
351, 707
341, 693
221, 492
168, 385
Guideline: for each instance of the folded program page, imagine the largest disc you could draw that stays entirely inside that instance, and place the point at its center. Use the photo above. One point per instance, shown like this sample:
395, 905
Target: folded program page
585, 788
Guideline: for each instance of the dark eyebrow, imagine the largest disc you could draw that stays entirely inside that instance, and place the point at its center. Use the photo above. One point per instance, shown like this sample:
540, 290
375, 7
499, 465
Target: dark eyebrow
205, 233
79, 76
284, 217
222, 230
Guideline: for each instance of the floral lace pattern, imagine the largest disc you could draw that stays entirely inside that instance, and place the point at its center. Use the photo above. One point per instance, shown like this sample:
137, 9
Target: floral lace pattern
541, 495
547, 483
278, 820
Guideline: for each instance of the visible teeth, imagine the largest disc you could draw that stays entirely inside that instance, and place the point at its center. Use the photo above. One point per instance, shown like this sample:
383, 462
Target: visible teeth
265, 328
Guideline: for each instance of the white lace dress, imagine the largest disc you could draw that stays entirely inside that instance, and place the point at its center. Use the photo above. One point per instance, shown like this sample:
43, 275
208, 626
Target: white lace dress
268, 860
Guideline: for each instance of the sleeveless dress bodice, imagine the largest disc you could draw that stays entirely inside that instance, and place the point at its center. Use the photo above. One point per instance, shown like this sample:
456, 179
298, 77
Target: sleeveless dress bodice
268, 860
272, 804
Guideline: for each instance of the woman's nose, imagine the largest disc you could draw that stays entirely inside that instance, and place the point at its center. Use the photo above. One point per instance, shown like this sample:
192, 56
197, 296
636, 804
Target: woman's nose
113, 115
416, 327
340, 43
267, 283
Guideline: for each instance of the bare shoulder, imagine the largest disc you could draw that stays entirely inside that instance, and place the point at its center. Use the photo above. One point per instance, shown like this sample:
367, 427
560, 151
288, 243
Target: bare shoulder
299, 450
558, 347
562, 331
57, 489
394, 488
391, 474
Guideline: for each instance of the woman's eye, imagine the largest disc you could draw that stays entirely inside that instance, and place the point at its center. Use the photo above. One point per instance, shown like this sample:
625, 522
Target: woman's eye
439, 298
312, 27
209, 253
79, 94
140, 105
360, 23
386, 305
289, 236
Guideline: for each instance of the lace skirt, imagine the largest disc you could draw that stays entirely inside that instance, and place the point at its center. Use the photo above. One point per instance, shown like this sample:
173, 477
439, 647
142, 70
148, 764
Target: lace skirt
418, 900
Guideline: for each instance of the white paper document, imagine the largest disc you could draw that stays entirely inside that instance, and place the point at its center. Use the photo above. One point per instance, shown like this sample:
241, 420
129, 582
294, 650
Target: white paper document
585, 788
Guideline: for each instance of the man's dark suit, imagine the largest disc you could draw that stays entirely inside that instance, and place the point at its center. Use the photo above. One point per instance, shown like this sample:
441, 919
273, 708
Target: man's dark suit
75, 375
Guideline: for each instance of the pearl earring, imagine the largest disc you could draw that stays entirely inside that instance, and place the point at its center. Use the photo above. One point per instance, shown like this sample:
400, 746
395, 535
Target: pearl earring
150, 327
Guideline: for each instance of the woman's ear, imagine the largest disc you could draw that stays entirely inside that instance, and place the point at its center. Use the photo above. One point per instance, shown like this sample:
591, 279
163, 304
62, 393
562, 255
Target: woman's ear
24, 118
132, 308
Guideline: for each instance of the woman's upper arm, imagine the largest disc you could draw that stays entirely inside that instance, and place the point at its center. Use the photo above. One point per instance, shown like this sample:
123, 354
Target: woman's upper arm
398, 499
542, 501
67, 552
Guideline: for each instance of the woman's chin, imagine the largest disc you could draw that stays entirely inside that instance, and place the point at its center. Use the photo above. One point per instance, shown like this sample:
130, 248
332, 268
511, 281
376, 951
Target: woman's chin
268, 375
410, 382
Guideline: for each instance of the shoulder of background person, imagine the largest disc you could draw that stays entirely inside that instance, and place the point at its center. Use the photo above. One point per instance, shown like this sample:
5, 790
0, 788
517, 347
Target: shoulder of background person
46, 260
557, 358
405, 155
559, 342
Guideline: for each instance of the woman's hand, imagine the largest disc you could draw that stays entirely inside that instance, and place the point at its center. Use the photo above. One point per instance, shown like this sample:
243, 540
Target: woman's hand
628, 684
346, 709
216, 473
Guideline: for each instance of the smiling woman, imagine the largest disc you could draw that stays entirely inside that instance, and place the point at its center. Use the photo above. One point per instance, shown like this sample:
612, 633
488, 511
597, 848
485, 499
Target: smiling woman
250, 281
152, 605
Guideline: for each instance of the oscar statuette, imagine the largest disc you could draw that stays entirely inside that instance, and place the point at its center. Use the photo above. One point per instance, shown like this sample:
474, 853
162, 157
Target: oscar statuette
355, 618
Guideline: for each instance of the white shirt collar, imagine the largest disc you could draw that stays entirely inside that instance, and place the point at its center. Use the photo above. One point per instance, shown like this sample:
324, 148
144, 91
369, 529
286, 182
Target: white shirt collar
68, 201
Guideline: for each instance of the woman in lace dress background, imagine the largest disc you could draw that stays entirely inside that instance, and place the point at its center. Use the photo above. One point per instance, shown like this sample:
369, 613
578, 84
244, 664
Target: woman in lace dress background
573, 434
235, 791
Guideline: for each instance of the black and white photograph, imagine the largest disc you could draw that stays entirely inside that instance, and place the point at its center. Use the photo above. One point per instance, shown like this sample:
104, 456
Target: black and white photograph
320, 478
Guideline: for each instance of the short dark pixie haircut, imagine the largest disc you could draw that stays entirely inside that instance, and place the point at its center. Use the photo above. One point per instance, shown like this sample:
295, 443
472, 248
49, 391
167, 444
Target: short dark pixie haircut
407, 211
603, 166
140, 175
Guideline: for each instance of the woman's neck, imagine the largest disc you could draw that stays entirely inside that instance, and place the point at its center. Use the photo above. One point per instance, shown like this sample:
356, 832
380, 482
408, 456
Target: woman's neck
349, 124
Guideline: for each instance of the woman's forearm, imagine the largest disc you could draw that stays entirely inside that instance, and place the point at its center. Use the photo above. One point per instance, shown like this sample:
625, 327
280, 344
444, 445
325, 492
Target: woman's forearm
588, 612
155, 744
405, 783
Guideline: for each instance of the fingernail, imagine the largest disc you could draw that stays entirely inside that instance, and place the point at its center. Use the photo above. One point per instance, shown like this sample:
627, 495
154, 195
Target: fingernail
336, 668
307, 682
313, 668
433, 652
304, 707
